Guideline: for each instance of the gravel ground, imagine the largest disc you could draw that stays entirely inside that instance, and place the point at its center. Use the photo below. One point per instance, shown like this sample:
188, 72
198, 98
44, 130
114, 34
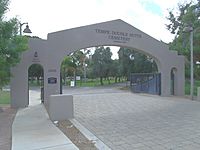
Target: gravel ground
7, 116
75, 136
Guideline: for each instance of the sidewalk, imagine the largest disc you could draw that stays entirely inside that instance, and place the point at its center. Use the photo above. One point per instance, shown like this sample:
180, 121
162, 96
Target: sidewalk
33, 130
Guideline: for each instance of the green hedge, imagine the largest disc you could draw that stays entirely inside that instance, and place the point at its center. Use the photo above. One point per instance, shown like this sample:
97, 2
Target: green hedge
187, 87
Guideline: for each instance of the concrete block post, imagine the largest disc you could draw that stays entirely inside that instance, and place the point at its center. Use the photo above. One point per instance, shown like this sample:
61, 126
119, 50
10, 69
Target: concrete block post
60, 107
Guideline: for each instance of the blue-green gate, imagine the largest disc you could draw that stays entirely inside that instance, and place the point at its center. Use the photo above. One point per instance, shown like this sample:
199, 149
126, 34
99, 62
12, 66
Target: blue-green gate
146, 83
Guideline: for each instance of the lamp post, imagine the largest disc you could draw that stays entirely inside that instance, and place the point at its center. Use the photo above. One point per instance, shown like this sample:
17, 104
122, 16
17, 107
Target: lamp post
26, 30
132, 58
190, 29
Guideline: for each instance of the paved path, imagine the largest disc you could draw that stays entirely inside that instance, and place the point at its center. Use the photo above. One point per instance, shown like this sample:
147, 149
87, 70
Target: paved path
126, 121
32, 129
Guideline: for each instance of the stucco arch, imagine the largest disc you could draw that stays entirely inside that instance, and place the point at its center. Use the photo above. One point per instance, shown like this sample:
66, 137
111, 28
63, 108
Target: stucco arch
19, 80
115, 33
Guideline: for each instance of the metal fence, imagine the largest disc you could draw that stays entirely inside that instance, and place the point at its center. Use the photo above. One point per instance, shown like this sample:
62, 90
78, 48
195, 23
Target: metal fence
145, 83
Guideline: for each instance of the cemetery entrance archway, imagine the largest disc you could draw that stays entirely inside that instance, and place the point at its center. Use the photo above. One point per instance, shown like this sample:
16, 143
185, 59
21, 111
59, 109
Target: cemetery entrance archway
51, 52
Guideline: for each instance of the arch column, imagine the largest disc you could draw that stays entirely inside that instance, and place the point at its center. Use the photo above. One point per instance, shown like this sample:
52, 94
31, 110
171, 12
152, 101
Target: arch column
51, 81
19, 87
180, 81
165, 81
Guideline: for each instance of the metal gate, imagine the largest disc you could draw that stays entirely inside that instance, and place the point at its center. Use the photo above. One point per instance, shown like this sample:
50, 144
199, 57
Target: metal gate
145, 83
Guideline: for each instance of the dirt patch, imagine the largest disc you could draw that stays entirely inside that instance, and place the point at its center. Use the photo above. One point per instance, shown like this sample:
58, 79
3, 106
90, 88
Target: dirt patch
7, 116
126, 88
76, 136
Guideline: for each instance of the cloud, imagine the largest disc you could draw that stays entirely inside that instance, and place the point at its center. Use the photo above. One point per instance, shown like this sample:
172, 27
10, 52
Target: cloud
46, 16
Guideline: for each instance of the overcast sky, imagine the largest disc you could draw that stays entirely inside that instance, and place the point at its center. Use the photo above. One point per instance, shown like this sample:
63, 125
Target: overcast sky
45, 16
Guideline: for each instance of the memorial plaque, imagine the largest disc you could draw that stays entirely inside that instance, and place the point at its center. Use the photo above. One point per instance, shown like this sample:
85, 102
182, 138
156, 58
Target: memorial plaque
52, 80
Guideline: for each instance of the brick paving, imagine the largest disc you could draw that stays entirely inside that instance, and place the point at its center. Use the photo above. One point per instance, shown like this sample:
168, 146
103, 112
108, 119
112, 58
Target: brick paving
126, 121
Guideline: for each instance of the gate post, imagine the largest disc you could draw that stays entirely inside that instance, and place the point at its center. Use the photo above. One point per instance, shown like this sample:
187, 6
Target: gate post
180, 87
165, 82
51, 81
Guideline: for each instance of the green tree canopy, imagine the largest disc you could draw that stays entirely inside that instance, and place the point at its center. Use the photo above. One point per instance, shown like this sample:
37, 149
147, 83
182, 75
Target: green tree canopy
188, 14
68, 67
131, 61
11, 45
36, 71
102, 62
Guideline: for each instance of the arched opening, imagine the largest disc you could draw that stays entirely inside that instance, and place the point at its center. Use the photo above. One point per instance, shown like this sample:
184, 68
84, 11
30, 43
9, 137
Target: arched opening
35, 84
173, 81
104, 65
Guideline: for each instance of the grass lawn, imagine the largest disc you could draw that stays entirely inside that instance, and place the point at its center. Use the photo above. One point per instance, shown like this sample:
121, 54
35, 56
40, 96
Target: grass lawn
93, 82
187, 87
4, 97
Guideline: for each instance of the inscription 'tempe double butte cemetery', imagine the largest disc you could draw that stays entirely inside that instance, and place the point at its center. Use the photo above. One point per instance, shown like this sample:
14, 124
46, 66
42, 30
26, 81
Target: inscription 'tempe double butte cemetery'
119, 37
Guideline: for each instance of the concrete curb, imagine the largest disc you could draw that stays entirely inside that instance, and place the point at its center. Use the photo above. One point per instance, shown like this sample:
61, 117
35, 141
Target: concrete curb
98, 143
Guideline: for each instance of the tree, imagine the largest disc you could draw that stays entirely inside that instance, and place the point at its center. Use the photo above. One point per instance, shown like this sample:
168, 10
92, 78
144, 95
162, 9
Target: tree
139, 63
74, 64
114, 70
68, 67
188, 15
36, 71
11, 45
125, 62
81, 61
143, 64
102, 62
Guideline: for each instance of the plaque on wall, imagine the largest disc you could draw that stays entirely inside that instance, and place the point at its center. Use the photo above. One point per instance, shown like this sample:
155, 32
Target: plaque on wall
52, 80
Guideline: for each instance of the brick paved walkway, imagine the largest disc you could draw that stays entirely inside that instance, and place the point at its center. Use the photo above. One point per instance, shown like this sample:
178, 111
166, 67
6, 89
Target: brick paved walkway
126, 121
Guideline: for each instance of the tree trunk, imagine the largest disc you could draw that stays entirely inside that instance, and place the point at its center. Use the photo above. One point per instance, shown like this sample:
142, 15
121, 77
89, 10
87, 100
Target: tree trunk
38, 80
31, 80
64, 80
116, 79
108, 80
101, 80
74, 78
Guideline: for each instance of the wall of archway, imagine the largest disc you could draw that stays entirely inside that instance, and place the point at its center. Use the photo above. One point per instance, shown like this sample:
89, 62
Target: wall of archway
173, 81
116, 33
19, 80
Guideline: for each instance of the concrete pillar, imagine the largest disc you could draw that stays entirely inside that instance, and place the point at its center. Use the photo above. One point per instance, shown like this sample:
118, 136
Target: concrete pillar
61, 107
19, 87
51, 81
180, 83
165, 82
